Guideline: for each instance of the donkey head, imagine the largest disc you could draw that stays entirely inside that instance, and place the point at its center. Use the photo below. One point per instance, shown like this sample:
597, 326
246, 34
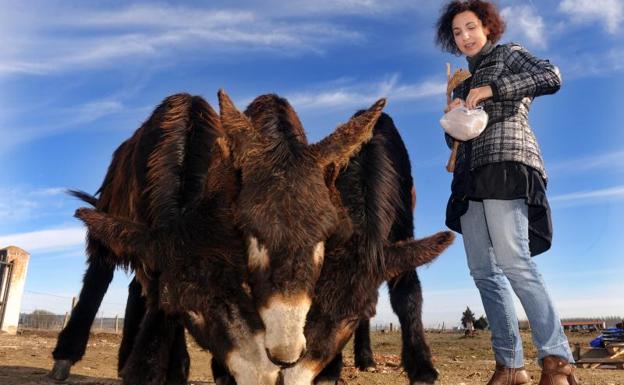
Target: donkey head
347, 292
284, 208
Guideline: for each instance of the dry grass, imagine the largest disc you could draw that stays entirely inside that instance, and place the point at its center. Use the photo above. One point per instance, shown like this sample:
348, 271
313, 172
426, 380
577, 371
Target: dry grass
25, 359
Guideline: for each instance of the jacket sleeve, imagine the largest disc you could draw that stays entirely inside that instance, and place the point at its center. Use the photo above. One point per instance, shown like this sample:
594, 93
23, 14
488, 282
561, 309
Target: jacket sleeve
530, 76
449, 140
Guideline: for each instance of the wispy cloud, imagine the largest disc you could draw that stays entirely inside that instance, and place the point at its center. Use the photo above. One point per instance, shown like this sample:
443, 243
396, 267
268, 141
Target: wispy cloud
349, 7
524, 24
59, 120
18, 205
46, 240
589, 196
612, 160
359, 94
595, 63
101, 37
608, 12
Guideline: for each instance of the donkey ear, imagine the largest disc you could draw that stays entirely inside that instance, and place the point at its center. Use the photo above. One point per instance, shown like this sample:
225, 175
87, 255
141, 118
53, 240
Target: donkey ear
407, 255
123, 237
238, 128
347, 139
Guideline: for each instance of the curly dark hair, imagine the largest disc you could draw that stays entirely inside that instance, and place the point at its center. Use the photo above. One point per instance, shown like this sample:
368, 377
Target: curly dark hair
485, 11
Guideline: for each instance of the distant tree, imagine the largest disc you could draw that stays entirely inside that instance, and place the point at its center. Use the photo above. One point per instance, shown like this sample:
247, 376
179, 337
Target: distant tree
468, 318
38, 312
481, 323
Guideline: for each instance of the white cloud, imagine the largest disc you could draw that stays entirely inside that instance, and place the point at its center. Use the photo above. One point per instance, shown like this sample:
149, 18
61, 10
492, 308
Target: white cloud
102, 37
19, 205
50, 191
360, 94
145, 16
45, 240
608, 12
524, 24
348, 7
589, 196
594, 64
62, 120
612, 160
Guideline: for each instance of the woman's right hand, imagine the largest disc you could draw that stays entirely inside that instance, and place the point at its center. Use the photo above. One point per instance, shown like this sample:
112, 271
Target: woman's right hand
456, 103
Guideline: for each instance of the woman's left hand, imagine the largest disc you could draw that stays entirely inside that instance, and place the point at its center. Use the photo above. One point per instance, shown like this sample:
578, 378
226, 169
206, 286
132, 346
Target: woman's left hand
477, 95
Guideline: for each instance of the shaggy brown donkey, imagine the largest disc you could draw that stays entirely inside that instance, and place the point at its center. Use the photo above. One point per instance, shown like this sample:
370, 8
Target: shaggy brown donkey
153, 176
285, 210
385, 158
375, 189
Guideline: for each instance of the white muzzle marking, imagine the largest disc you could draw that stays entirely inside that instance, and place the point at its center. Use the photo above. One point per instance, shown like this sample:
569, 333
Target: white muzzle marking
250, 365
248, 362
299, 374
284, 319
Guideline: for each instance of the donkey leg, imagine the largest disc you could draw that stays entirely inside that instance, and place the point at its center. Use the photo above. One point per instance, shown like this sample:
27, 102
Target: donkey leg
362, 347
72, 340
149, 359
330, 373
135, 310
179, 359
220, 374
406, 300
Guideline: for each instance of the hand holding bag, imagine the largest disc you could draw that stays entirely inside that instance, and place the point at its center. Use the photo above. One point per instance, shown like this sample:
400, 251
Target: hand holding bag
464, 124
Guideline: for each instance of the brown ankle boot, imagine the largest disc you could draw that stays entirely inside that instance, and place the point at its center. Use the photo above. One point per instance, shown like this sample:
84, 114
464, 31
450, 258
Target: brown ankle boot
509, 376
557, 371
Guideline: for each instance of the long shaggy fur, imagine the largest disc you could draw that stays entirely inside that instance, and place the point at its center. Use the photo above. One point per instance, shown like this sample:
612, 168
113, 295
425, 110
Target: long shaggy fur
143, 184
373, 187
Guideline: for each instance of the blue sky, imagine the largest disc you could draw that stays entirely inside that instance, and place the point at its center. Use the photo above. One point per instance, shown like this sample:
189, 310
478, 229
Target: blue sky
77, 78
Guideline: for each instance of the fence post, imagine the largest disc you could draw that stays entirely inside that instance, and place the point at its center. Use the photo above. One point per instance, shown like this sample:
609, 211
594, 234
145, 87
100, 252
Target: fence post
116, 323
390, 326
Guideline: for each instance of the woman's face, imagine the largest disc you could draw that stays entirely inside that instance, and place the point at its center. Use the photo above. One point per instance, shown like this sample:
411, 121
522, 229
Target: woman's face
470, 34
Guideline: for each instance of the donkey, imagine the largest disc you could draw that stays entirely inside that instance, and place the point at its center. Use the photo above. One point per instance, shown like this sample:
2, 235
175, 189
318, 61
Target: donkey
283, 259
375, 188
284, 208
386, 159
152, 176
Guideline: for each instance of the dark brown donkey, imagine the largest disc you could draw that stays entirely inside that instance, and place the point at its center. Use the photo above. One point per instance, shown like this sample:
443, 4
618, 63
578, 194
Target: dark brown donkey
284, 208
375, 190
279, 179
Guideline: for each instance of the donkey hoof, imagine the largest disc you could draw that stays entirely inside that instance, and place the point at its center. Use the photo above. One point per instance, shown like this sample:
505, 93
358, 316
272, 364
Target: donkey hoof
366, 364
60, 371
426, 378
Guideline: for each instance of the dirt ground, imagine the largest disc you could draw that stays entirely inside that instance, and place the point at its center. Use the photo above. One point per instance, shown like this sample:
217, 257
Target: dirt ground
26, 358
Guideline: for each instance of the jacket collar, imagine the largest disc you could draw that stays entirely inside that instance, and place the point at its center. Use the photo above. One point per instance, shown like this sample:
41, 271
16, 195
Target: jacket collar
474, 61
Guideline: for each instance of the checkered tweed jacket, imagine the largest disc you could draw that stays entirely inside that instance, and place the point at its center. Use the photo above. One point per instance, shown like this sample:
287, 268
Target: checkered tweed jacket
516, 77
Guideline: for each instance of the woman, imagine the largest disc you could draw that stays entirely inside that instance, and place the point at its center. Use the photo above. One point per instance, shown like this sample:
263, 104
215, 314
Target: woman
498, 199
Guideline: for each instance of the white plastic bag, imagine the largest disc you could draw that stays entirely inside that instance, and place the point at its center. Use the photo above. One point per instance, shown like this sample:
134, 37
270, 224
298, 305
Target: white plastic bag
464, 124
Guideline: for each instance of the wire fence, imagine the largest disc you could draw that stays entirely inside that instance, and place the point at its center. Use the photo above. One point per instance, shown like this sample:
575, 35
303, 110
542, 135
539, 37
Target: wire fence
48, 311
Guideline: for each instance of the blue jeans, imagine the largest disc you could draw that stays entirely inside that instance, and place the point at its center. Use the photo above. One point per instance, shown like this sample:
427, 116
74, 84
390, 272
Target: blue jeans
496, 239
